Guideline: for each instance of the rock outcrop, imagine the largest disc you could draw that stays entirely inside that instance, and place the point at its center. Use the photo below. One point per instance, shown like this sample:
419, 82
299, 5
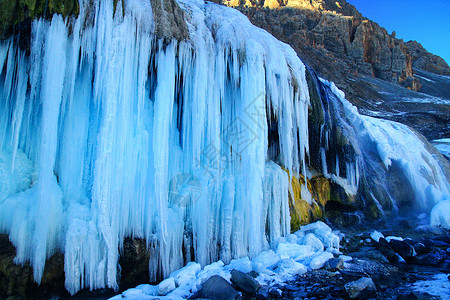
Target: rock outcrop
379, 73
16, 17
426, 61
339, 43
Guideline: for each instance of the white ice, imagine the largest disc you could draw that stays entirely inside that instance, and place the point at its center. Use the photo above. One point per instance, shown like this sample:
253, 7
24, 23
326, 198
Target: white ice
108, 132
275, 266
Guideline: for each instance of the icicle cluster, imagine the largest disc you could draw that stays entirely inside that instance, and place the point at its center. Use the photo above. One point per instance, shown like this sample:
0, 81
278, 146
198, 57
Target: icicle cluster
107, 132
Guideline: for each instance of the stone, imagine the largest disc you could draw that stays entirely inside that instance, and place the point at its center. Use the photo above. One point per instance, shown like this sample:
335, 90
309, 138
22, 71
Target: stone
263, 293
372, 254
254, 274
404, 224
410, 296
334, 264
244, 282
384, 247
17, 280
445, 267
134, 258
420, 248
424, 60
361, 288
217, 288
404, 249
429, 259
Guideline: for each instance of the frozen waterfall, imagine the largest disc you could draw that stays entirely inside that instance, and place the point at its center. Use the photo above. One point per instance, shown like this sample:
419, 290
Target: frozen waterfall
108, 132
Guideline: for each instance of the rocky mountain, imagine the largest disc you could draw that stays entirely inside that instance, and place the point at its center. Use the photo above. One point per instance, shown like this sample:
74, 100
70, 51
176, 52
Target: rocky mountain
377, 71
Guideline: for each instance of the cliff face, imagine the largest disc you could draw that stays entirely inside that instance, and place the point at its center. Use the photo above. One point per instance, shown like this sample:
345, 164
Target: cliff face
16, 17
426, 61
339, 43
376, 70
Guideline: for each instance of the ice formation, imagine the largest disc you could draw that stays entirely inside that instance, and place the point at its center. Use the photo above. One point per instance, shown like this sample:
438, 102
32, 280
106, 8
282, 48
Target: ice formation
289, 258
109, 132
379, 147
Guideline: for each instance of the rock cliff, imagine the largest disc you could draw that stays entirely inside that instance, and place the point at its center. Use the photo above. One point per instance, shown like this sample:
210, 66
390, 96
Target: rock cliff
376, 70
335, 39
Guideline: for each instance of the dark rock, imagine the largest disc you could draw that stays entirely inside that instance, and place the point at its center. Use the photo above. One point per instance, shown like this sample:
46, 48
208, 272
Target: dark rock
334, 264
443, 238
404, 224
263, 293
244, 282
372, 254
410, 296
254, 274
134, 260
275, 292
384, 247
18, 281
361, 288
217, 288
404, 249
421, 248
398, 259
429, 245
445, 267
439, 243
429, 259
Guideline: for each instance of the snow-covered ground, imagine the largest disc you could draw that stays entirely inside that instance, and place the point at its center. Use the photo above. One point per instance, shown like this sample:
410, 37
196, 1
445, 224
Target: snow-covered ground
307, 249
443, 145
438, 286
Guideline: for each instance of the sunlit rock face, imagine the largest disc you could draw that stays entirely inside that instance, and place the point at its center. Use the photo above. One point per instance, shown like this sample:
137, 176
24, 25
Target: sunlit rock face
184, 136
378, 72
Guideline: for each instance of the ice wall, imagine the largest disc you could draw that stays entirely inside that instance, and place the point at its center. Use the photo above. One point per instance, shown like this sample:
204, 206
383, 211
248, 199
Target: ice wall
108, 132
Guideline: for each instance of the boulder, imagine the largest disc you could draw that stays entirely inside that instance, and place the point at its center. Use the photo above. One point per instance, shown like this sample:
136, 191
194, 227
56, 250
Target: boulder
404, 249
420, 248
244, 282
217, 288
334, 264
384, 247
361, 288
371, 254
430, 259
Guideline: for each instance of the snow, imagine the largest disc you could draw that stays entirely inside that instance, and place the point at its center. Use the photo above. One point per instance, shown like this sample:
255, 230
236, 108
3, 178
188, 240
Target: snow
440, 214
397, 238
439, 286
376, 235
443, 146
166, 286
265, 260
274, 266
311, 240
319, 260
186, 274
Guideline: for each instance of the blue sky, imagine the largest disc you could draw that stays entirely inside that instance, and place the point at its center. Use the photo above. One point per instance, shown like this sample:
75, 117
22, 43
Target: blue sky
426, 21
